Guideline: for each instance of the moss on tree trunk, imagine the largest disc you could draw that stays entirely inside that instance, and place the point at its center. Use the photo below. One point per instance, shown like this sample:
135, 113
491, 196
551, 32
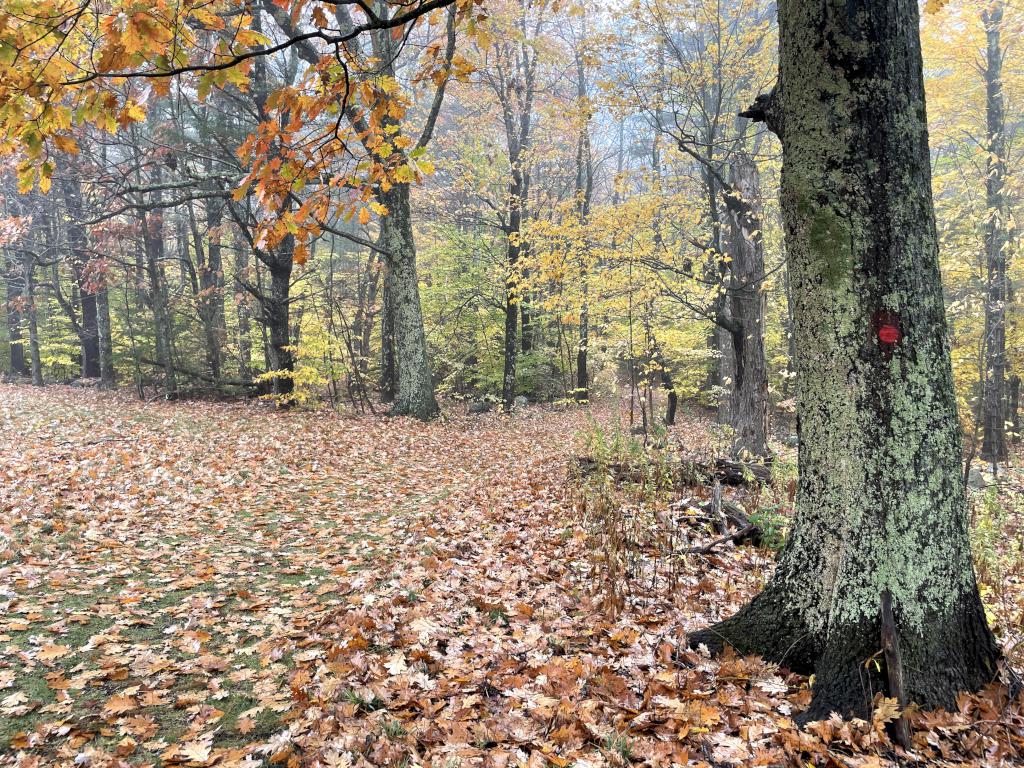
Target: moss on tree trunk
413, 383
880, 502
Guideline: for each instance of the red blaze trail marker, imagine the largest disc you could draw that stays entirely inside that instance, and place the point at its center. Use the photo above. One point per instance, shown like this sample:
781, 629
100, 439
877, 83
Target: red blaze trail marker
888, 334
885, 326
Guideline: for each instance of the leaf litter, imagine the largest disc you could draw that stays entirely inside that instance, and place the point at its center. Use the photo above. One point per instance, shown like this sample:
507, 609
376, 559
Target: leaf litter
225, 585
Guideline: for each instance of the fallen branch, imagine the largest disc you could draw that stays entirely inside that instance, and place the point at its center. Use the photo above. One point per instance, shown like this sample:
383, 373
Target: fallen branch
736, 536
894, 670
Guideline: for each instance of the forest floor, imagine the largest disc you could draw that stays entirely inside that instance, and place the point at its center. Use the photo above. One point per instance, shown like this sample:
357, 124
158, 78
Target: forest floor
207, 584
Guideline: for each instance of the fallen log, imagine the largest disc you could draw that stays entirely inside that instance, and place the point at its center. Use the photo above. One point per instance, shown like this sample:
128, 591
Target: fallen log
685, 473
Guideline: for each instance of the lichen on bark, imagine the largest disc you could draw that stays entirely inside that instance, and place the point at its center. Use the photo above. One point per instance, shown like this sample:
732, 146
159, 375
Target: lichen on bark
880, 500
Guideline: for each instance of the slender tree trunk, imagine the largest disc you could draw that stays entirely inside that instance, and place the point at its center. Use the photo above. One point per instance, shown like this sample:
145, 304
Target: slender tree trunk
584, 192
276, 315
78, 244
582, 393
29, 271
153, 242
106, 342
526, 324
787, 385
362, 323
414, 383
880, 503
1014, 408
748, 397
994, 415
211, 285
244, 316
513, 295
15, 302
388, 376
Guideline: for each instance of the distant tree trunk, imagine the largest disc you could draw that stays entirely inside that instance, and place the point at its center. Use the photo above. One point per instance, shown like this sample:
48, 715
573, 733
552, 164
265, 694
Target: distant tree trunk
276, 316
210, 300
515, 89
513, 290
748, 398
527, 329
787, 385
244, 317
388, 382
667, 384
718, 342
15, 302
71, 187
725, 355
582, 393
362, 323
414, 384
994, 412
106, 342
153, 238
28, 267
1014, 408
584, 192
153, 243
880, 504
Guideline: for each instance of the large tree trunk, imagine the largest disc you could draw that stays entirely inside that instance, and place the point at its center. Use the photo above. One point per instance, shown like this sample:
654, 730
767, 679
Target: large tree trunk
880, 502
414, 384
748, 396
994, 415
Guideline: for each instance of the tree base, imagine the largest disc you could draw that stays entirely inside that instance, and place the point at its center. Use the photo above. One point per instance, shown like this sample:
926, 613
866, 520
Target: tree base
958, 654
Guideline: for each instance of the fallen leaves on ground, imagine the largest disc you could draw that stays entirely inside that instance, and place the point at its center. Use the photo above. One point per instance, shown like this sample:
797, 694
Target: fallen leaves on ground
225, 585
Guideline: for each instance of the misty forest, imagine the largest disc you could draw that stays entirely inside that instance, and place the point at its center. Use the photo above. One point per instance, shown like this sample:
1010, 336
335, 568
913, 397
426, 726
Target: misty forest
511, 383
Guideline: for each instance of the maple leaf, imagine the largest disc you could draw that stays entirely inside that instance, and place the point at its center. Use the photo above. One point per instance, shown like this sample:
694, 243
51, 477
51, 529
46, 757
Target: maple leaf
51, 652
119, 704
396, 664
196, 752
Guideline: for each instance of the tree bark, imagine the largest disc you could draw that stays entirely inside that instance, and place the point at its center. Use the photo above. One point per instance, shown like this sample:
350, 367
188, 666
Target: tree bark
880, 501
584, 191
748, 396
29, 272
15, 293
108, 378
275, 316
1013, 408
414, 384
88, 335
388, 382
153, 245
513, 251
244, 316
994, 415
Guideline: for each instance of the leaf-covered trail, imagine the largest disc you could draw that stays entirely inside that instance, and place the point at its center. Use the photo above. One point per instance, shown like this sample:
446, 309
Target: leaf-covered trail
206, 584
163, 549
